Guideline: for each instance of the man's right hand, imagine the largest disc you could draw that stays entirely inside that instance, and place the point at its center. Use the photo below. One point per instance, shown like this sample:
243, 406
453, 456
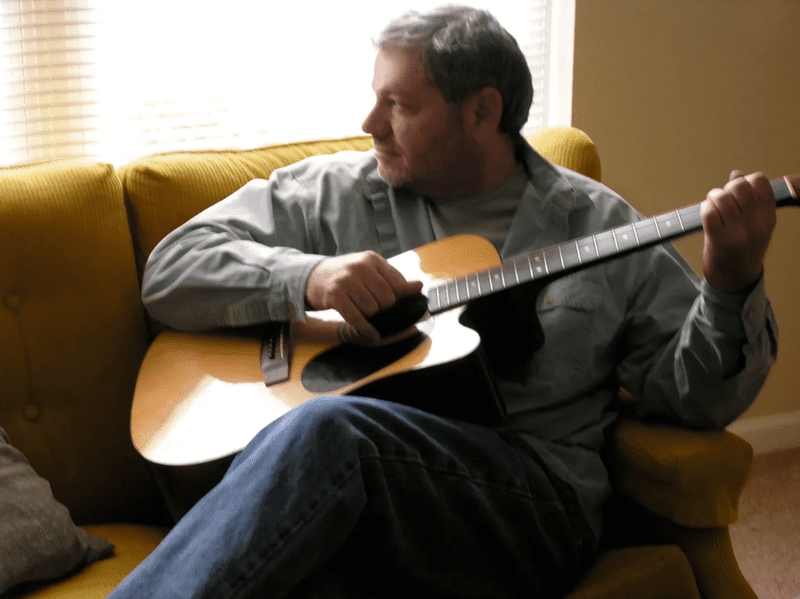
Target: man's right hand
357, 286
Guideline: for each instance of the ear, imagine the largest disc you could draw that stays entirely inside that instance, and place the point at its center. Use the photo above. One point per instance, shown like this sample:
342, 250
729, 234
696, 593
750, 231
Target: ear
487, 110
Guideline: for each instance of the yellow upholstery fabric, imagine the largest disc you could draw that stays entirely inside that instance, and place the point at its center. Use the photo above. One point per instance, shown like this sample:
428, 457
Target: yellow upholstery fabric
73, 336
133, 544
708, 549
164, 191
659, 572
569, 147
693, 478
715, 566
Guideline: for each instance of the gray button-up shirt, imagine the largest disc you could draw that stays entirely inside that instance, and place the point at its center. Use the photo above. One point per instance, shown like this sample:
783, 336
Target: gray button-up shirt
644, 321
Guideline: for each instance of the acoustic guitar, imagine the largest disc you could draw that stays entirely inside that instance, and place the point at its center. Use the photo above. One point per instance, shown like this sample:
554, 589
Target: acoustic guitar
201, 398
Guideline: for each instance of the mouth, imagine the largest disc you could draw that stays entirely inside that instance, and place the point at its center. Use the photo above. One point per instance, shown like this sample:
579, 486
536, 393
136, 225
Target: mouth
384, 151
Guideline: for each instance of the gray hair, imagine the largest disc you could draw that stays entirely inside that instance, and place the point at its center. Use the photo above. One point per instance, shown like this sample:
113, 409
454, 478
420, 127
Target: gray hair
464, 50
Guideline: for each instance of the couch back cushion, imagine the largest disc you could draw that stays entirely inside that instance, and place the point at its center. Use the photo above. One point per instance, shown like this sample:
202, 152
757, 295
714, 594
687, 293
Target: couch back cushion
73, 336
164, 191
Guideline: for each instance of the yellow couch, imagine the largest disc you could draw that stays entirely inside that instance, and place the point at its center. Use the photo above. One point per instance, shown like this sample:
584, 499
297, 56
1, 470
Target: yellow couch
73, 239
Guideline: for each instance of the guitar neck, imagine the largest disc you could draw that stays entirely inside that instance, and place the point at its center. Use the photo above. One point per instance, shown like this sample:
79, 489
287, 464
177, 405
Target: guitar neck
586, 251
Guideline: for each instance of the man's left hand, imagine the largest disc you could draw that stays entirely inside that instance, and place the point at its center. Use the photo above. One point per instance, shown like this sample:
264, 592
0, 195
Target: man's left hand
738, 221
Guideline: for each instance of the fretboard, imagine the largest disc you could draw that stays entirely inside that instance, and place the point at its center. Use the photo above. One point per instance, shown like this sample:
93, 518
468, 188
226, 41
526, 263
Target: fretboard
573, 255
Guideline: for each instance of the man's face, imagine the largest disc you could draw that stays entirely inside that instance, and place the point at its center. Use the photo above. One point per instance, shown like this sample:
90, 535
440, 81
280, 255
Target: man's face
419, 138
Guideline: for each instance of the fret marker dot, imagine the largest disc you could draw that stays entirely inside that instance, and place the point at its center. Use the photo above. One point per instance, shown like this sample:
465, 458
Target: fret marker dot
669, 223
539, 269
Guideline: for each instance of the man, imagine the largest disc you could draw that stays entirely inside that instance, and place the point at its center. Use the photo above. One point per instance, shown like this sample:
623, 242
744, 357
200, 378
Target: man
349, 496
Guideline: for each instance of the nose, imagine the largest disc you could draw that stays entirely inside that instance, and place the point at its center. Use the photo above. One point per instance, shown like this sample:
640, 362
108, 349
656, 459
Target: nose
376, 124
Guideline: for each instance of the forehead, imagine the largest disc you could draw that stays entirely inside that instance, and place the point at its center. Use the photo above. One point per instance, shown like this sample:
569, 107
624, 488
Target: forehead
399, 70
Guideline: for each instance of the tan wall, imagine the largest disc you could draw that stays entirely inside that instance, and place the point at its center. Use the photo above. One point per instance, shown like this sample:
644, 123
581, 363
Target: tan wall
676, 93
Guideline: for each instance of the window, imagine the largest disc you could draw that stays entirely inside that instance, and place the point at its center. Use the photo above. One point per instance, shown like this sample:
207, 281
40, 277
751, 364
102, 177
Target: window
108, 80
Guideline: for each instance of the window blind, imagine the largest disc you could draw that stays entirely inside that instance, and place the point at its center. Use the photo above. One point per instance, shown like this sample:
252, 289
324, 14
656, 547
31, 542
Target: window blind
47, 86
108, 80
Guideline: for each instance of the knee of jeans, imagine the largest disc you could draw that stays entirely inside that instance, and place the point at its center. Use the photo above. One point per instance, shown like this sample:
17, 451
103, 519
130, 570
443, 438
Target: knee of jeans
344, 417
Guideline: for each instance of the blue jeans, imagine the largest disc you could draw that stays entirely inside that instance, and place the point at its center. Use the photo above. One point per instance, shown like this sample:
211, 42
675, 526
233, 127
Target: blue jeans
350, 497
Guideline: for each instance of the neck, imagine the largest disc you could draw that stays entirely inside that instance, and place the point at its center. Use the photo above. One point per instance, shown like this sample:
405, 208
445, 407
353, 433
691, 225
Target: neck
491, 165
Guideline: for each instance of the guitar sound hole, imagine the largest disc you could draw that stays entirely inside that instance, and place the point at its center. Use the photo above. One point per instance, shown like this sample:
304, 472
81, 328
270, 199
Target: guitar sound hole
349, 363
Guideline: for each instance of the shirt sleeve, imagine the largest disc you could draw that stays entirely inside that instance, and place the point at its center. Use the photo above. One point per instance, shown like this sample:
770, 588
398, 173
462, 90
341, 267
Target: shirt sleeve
242, 261
709, 371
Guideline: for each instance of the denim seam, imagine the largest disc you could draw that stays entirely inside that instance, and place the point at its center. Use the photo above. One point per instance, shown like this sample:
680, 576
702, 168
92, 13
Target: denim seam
462, 475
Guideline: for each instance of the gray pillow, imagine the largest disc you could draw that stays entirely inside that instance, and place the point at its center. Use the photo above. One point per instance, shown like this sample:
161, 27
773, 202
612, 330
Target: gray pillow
38, 539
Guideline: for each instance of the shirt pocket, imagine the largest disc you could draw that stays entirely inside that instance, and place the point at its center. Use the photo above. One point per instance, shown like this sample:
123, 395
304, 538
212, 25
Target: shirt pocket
571, 292
576, 333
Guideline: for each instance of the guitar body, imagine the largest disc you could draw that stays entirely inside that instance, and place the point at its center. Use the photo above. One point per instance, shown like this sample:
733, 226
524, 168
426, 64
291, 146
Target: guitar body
200, 398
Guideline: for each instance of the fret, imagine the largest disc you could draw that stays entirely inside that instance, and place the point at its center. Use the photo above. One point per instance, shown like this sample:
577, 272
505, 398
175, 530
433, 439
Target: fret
452, 289
614, 237
625, 238
530, 265
485, 282
605, 244
539, 266
690, 217
552, 259
523, 274
462, 290
442, 301
570, 255
473, 287
496, 279
646, 231
510, 277
669, 224
586, 248
578, 252
680, 220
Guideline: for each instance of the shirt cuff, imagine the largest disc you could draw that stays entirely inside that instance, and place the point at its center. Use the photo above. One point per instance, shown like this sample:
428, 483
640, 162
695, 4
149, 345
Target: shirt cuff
291, 304
736, 313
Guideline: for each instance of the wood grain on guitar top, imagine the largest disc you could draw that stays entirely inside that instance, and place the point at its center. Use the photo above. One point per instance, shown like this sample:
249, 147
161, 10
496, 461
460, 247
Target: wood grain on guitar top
201, 396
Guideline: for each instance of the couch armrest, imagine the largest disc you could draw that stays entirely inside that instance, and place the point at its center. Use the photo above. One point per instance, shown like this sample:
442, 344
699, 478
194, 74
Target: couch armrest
693, 478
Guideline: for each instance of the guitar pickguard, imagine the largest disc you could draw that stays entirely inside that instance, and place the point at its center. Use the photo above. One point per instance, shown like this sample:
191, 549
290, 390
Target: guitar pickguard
349, 363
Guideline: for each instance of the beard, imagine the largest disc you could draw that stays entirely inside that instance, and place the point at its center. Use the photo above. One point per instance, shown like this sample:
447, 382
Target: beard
449, 169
